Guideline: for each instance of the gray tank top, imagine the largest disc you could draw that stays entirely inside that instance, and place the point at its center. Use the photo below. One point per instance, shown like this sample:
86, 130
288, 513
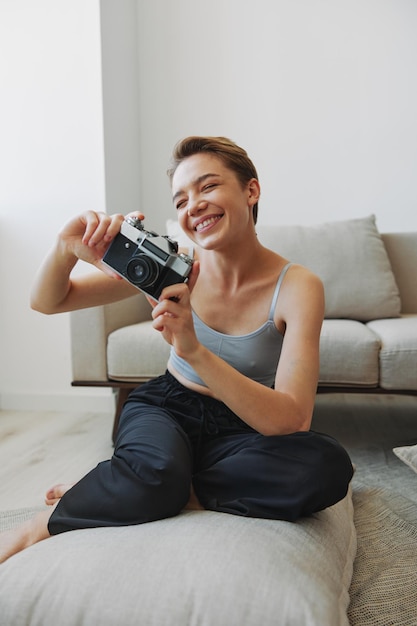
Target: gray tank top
255, 355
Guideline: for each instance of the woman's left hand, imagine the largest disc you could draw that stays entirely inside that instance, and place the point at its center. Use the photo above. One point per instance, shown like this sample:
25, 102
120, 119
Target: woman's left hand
173, 318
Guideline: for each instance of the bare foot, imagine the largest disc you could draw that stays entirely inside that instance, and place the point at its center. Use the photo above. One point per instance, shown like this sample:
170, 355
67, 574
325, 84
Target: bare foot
29, 533
55, 493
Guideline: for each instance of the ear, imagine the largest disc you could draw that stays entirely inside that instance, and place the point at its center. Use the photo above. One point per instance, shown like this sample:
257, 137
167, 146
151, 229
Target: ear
254, 191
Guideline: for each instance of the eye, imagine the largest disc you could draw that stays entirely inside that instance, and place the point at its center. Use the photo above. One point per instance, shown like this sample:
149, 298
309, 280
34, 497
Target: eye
180, 204
209, 186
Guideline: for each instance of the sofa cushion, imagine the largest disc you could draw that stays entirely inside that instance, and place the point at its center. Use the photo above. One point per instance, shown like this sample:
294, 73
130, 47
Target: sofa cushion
198, 568
350, 258
136, 353
348, 354
398, 356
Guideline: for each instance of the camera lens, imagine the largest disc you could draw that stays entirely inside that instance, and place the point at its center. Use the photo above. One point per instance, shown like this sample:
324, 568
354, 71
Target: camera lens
142, 270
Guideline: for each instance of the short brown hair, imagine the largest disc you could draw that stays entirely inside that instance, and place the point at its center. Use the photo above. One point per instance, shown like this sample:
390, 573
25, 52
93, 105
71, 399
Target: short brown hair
233, 156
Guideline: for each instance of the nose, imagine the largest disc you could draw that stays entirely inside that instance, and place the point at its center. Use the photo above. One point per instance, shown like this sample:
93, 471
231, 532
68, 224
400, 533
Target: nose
196, 205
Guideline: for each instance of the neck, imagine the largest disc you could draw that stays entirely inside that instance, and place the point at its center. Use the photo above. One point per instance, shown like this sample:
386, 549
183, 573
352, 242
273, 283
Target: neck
231, 266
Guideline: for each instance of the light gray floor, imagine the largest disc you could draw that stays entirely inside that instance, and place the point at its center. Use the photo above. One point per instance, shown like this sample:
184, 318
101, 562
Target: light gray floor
38, 449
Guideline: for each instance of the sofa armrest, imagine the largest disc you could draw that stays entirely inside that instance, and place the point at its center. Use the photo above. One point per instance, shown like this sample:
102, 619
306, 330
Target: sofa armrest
402, 251
90, 329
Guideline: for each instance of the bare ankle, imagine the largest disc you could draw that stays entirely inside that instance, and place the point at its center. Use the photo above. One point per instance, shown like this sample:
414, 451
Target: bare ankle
29, 533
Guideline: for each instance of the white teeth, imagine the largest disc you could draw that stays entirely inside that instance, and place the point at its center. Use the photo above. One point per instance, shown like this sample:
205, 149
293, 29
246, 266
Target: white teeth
209, 220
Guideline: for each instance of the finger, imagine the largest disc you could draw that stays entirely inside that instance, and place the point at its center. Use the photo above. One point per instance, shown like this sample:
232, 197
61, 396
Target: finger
96, 226
178, 292
91, 220
192, 278
160, 321
113, 228
151, 301
107, 228
137, 214
164, 307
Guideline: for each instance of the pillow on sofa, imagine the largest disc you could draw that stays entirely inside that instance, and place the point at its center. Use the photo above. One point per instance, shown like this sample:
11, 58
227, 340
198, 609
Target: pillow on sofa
408, 455
350, 258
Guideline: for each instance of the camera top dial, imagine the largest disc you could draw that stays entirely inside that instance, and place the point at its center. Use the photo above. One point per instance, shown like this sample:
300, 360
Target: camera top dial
137, 223
134, 221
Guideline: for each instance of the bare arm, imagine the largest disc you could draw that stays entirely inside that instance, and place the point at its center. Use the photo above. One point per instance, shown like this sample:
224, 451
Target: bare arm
86, 238
288, 407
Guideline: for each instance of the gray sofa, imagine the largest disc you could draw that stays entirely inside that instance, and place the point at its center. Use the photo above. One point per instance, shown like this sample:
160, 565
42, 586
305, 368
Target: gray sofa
368, 339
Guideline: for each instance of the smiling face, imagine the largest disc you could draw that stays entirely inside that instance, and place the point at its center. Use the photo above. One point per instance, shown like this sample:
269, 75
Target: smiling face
210, 200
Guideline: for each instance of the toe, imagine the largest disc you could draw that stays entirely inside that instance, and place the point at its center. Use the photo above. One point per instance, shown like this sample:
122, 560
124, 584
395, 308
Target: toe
56, 492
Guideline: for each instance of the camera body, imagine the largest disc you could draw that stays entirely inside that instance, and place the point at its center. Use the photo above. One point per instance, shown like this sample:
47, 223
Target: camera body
147, 260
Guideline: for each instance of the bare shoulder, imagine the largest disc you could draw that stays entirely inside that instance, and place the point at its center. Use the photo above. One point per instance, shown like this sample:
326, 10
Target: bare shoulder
302, 278
302, 294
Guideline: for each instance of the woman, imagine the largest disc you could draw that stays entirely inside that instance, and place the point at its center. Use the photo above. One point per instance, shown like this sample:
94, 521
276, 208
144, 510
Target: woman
227, 427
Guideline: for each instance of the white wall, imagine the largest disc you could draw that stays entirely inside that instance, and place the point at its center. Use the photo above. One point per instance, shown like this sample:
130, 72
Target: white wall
322, 94
51, 166
120, 78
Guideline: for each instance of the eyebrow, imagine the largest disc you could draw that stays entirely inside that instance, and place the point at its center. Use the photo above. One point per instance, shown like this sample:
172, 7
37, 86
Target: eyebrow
195, 182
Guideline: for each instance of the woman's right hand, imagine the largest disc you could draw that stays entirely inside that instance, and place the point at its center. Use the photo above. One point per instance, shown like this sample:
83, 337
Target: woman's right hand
88, 235
84, 237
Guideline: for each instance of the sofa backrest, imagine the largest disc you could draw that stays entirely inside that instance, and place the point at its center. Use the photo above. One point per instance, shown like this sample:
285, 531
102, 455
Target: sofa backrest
353, 259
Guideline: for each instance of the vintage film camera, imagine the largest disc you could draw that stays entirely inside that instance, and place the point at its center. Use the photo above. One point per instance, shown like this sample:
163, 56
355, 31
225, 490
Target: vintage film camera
149, 261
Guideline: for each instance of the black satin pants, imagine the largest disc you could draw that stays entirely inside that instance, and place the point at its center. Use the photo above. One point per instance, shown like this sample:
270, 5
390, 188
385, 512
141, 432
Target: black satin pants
170, 438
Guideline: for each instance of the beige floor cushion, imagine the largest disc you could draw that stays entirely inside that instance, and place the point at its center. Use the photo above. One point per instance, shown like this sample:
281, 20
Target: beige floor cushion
200, 568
